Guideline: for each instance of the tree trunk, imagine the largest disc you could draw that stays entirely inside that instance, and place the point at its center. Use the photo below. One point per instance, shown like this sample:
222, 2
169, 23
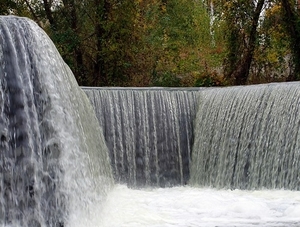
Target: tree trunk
32, 11
292, 19
100, 77
47, 7
78, 54
241, 72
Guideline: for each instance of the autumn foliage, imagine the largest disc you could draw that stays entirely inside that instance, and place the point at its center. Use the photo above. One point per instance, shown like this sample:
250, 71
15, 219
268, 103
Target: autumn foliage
171, 42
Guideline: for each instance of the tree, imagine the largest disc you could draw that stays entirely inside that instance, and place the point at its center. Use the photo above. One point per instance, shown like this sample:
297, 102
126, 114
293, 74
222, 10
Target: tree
167, 42
6, 6
13, 7
271, 60
180, 41
242, 19
291, 18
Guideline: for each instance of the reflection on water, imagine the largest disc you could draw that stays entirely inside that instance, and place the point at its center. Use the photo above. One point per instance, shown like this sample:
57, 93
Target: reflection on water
188, 206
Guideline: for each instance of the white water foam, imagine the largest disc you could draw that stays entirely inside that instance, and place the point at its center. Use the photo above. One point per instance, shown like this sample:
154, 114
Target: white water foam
194, 207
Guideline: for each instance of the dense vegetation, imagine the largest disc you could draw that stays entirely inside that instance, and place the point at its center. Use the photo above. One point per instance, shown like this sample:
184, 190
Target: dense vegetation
171, 42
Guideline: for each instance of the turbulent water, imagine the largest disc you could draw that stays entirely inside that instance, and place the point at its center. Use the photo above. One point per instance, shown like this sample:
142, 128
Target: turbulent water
248, 137
48, 133
148, 132
195, 207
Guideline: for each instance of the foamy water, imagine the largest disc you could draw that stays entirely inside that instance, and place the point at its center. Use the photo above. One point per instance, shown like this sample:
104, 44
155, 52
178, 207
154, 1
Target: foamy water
187, 206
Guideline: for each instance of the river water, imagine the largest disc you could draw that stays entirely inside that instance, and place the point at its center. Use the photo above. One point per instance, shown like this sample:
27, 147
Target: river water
190, 206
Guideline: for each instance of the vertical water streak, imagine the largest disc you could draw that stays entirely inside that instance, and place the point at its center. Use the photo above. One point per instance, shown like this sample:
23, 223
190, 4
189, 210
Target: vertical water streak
247, 137
152, 136
49, 136
20, 153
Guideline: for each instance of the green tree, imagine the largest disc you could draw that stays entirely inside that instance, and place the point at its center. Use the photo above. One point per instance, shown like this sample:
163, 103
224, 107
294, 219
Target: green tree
242, 18
271, 59
6, 6
180, 39
291, 17
14, 7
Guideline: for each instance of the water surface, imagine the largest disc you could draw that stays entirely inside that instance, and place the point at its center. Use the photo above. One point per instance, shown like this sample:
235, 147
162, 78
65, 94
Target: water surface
191, 206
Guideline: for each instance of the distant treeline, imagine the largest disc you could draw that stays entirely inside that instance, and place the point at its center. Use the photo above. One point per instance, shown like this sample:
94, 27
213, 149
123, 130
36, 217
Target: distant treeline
171, 42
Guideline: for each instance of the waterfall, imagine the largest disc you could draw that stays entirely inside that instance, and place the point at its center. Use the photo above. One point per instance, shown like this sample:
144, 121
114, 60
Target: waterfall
238, 137
248, 137
49, 134
58, 155
148, 132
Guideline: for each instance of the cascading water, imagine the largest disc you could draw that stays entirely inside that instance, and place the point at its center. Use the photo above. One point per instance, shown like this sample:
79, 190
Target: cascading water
248, 138
244, 138
148, 133
54, 164
48, 134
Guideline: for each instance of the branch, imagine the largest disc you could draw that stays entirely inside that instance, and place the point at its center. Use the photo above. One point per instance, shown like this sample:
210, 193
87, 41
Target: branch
35, 17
